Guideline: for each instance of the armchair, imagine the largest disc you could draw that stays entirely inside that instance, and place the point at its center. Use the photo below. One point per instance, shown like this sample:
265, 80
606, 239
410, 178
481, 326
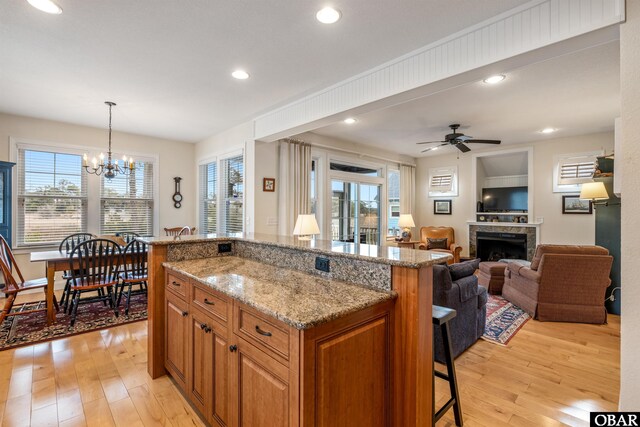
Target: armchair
564, 283
441, 233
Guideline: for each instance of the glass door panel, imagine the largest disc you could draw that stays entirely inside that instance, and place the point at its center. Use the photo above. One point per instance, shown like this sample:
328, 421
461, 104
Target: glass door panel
355, 212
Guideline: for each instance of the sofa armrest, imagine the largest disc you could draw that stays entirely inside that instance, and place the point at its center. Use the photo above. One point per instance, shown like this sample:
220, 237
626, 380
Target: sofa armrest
526, 273
455, 251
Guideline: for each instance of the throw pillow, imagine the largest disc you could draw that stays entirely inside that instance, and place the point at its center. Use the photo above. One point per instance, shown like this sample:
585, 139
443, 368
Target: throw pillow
463, 269
437, 243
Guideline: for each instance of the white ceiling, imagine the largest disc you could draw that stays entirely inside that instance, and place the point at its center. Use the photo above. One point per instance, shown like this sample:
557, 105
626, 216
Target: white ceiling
504, 164
167, 63
577, 94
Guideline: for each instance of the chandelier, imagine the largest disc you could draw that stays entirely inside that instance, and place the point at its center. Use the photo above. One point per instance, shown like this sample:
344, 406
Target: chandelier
111, 168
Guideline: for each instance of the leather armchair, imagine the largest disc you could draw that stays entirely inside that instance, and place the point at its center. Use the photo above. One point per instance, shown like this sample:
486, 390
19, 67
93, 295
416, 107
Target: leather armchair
440, 233
564, 283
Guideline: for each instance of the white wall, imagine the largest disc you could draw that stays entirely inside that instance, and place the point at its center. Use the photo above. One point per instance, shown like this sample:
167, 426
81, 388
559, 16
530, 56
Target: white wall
175, 159
266, 202
630, 109
557, 228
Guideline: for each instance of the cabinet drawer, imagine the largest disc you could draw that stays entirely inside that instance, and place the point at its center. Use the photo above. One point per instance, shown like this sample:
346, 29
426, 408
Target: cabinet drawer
210, 303
177, 285
259, 327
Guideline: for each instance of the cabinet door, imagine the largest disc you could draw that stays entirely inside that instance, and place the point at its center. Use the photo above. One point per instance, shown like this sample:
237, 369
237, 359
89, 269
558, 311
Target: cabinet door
176, 338
218, 412
259, 388
200, 360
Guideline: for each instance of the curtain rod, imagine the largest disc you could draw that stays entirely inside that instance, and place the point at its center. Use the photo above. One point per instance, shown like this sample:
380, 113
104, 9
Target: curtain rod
401, 163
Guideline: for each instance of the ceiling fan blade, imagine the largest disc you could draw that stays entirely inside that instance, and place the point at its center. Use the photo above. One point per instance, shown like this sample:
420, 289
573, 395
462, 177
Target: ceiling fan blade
435, 148
483, 141
460, 146
464, 138
429, 142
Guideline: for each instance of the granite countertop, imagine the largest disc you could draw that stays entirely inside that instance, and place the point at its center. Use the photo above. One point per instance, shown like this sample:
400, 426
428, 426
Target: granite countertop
298, 299
402, 257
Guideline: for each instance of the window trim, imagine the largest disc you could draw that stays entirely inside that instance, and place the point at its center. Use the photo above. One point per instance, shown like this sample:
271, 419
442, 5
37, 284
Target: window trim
560, 159
93, 185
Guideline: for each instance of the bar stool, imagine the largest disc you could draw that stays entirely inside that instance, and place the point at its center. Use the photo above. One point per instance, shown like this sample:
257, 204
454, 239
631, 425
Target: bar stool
441, 317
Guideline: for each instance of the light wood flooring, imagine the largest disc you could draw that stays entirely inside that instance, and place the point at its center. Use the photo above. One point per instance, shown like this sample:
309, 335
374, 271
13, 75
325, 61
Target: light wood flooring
550, 374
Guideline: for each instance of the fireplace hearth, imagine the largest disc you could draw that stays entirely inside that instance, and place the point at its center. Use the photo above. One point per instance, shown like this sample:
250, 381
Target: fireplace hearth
493, 246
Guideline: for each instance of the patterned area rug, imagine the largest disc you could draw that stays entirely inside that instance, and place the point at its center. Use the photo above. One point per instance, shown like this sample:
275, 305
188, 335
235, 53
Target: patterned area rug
32, 328
503, 320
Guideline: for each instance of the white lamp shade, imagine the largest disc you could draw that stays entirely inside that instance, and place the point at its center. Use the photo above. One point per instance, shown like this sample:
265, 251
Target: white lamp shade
306, 225
406, 221
593, 191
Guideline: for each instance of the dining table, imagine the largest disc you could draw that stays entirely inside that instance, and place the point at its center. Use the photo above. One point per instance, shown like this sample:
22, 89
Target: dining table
55, 260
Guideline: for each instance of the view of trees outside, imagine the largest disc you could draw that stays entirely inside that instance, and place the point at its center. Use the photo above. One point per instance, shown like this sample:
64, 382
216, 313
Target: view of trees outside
51, 195
234, 194
127, 202
210, 200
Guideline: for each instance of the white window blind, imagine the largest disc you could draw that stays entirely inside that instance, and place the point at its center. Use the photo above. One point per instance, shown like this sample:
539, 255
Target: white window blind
443, 182
576, 171
126, 202
52, 197
209, 197
233, 194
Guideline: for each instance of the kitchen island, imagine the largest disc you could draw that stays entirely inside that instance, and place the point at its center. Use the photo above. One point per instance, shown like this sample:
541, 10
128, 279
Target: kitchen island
267, 330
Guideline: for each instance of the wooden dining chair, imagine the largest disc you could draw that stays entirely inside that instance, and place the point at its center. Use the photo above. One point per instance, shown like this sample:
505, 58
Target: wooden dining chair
94, 266
180, 231
67, 244
135, 272
128, 236
15, 283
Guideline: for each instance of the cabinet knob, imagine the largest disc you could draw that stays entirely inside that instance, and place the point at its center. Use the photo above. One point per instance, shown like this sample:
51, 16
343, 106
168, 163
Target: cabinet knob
207, 330
185, 314
203, 325
233, 348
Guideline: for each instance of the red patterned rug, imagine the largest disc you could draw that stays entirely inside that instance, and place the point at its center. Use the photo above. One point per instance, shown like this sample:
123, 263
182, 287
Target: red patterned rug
17, 331
504, 320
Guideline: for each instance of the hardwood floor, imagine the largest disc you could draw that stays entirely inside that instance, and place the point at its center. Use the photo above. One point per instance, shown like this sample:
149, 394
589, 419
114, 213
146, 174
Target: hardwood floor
550, 374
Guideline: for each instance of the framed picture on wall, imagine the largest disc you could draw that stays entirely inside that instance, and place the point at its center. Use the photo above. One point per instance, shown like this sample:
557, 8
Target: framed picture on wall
442, 207
575, 205
269, 184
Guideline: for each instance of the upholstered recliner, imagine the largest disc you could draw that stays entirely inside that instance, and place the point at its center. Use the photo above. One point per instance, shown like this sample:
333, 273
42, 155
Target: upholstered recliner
565, 283
441, 233
455, 286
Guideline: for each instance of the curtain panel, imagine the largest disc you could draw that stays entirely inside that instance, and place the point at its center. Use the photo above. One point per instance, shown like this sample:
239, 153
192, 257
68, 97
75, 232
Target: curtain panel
407, 189
295, 174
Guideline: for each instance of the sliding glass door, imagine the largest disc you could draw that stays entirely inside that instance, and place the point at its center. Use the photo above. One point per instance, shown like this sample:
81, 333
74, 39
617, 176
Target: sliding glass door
355, 212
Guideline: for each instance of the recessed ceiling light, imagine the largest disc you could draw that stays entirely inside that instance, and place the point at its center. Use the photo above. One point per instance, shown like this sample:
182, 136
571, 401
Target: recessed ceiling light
47, 6
434, 148
495, 79
240, 75
548, 130
350, 120
328, 15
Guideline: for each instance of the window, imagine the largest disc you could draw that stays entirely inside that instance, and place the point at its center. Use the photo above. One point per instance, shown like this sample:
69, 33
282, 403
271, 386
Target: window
233, 193
313, 191
222, 184
209, 197
126, 202
571, 170
52, 197
443, 181
393, 201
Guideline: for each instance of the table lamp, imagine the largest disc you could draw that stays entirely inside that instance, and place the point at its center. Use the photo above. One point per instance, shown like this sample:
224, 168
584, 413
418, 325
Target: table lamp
306, 227
406, 222
594, 191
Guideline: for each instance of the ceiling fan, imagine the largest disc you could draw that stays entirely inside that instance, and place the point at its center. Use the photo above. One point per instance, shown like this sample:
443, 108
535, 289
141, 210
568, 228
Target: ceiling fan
458, 140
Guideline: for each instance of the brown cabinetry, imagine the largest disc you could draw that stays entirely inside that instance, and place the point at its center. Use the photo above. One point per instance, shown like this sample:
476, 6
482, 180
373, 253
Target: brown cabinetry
240, 367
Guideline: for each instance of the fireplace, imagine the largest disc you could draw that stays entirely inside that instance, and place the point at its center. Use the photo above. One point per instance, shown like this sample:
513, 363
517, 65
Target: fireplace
491, 246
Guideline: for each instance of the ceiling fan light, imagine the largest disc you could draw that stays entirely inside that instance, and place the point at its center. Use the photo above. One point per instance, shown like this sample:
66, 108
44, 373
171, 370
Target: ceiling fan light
47, 6
497, 78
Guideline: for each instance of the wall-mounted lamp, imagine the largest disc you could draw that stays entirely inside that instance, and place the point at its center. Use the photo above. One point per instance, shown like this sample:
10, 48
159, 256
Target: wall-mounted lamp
594, 191
306, 227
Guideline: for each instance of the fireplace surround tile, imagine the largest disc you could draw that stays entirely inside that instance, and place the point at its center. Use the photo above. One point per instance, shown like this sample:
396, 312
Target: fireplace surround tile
499, 228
